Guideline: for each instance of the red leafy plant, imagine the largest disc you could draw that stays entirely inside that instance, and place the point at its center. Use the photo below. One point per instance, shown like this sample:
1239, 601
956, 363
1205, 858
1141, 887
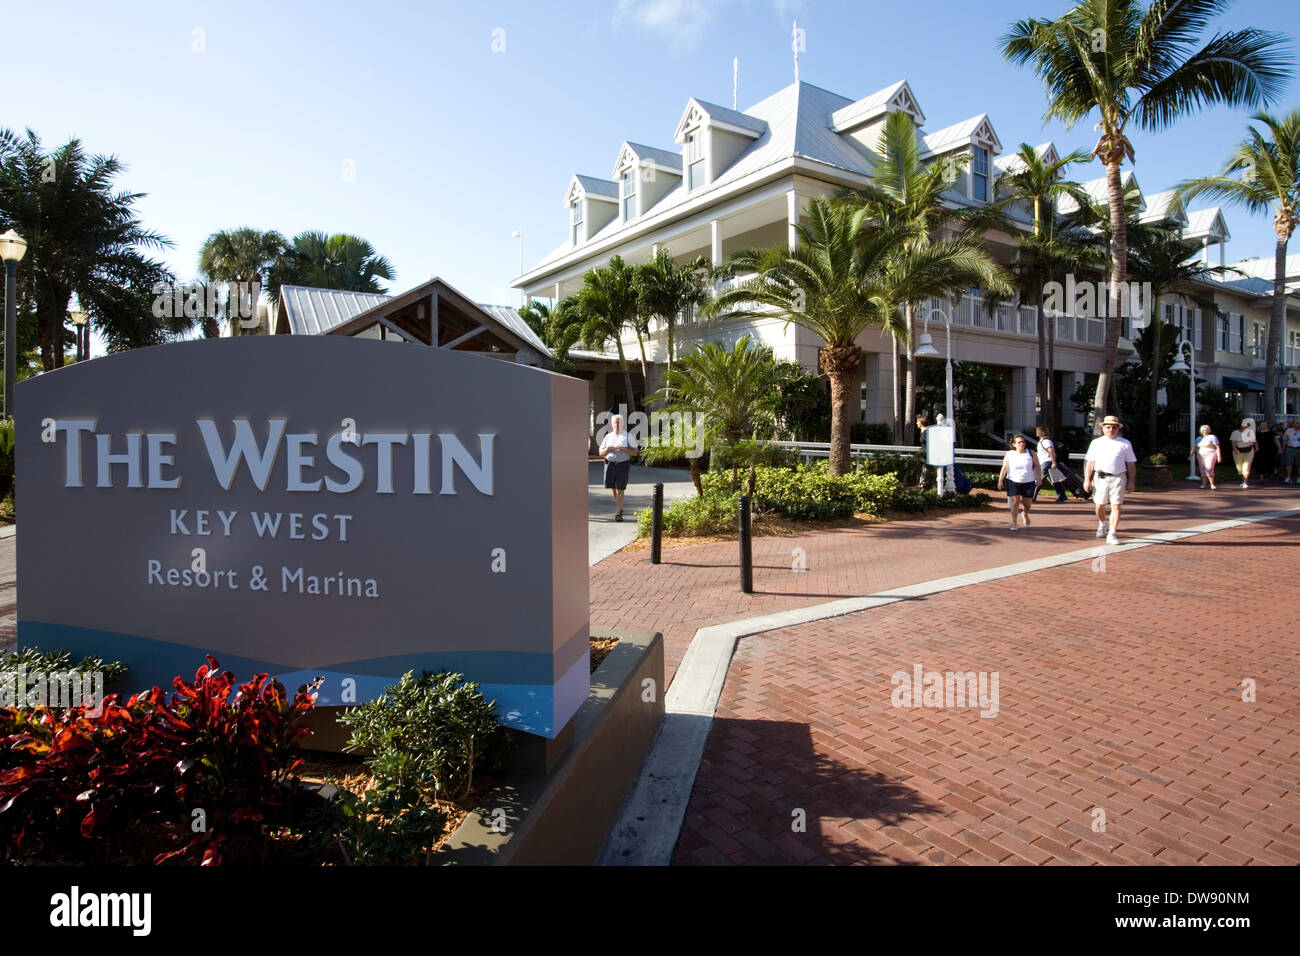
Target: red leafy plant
205, 776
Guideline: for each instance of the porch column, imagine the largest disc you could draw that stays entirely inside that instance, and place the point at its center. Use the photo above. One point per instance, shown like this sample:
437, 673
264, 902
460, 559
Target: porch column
792, 218
1070, 382
715, 231
879, 379
1022, 410
557, 293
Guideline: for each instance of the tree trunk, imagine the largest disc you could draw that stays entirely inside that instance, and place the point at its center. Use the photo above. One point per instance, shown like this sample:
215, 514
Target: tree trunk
1273, 344
909, 375
47, 322
645, 375
1118, 263
1154, 387
627, 377
1051, 369
1040, 376
211, 328
840, 363
893, 387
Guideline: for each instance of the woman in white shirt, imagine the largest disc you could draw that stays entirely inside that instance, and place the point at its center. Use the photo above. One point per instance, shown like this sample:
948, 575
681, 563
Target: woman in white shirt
617, 448
1207, 450
1022, 476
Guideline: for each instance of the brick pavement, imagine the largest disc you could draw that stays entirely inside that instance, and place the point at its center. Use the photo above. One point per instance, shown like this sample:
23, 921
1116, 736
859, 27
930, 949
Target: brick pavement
1139, 716
698, 585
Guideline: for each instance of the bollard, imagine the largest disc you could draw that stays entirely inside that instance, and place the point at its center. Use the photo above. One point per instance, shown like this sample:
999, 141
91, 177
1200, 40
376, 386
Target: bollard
657, 524
746, 548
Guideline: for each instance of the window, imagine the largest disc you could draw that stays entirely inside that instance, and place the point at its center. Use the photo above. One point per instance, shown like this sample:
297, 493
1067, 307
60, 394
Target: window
1236, 333
575, 218
980, 174
627, 190
694, 160
1221, 322
1186, 323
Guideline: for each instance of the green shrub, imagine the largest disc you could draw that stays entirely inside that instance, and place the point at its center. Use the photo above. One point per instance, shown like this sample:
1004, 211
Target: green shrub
983, 479
742, 454
715, 513
427, 737
6, 448
1156, 460
908, 468
670, 456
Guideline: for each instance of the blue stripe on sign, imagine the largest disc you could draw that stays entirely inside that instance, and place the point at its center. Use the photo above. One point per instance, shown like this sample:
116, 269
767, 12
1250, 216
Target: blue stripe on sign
523, 704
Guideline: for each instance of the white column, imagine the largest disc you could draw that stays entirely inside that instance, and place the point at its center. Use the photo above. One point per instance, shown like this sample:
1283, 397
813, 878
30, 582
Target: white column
792, 217
1205, 251
557, 292
716, 234
876, 366
1024, 389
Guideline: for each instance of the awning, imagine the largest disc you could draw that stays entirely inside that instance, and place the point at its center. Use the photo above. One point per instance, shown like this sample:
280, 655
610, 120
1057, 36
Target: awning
1231, 384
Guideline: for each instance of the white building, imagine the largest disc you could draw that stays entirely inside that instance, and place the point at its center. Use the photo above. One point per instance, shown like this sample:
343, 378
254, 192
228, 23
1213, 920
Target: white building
744, 179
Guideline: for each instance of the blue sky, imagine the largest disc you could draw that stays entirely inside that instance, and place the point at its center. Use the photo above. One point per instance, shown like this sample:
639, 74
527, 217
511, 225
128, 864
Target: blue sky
436, 132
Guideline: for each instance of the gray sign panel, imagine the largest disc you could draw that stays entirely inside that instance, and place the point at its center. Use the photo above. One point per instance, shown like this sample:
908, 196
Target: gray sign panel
311, 506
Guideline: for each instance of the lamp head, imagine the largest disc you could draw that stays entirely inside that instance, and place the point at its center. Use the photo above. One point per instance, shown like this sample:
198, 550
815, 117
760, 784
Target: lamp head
12, 247
926, 347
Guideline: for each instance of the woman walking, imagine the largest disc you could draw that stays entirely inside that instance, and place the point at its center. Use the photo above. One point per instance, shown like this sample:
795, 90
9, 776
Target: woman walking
1022, 476
617, 448
1207, 450
1244, 446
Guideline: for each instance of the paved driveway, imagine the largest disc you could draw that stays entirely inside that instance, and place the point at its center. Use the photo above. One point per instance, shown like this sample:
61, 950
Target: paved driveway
604, 534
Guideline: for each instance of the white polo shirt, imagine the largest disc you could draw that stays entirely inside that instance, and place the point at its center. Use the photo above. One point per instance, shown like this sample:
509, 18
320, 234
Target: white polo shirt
1110, 455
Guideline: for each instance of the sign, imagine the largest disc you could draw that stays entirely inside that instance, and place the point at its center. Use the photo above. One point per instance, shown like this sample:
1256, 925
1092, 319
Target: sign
939, 444
311, 506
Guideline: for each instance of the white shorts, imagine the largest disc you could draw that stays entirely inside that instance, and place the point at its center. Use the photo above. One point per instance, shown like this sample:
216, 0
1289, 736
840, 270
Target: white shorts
1110, 490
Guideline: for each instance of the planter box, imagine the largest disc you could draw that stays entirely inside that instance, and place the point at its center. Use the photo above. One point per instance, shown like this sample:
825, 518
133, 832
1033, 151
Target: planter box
563, 819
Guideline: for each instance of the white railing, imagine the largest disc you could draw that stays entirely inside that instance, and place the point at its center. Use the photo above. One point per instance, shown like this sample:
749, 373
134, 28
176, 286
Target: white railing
809, 450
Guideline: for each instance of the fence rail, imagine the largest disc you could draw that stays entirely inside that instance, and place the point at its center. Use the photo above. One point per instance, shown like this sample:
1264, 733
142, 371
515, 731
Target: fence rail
990, 457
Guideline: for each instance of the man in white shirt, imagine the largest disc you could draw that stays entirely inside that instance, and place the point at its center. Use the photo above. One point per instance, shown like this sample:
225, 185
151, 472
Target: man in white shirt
1113, 465
1291, 453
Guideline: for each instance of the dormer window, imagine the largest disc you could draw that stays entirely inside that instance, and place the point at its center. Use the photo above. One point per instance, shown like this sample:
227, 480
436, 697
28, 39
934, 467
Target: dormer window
575, 220
694, 159
980, 174
627, 193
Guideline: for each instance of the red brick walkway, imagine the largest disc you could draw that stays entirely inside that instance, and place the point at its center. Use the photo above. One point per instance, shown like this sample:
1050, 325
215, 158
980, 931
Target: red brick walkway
699, 585
1134, 719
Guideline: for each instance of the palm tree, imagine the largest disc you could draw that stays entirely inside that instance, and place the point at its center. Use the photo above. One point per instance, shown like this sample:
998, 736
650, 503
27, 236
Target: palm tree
606, 305
558, 327
1041, 184
1159, 255
1138, 65
665, 289
906, 192
83, 237
1269, 181
340, 261
238, 255
837, 282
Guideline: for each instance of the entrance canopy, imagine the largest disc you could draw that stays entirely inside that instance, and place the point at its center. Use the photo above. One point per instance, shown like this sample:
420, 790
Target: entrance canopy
1232, 384
432, 313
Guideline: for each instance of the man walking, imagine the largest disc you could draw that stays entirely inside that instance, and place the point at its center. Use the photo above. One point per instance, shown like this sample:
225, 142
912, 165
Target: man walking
1291, 452
1110, 470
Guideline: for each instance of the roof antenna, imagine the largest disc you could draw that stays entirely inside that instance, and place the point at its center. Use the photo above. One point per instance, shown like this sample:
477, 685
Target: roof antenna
795, 43
735, 79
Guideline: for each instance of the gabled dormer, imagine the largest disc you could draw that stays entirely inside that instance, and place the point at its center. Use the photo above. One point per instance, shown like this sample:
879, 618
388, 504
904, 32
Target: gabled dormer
1208, 227
862, 120
1165, 208
976, 138
643, 175
591, 203
1011, 164
712, 137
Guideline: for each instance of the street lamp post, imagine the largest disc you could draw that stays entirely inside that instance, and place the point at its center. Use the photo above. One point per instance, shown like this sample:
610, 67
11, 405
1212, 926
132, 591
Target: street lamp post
12, 249
1181, 366
927, 348
80, 319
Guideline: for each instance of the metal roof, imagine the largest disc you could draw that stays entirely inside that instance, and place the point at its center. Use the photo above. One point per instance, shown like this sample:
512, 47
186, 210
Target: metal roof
594, 186
511, 319
313, 311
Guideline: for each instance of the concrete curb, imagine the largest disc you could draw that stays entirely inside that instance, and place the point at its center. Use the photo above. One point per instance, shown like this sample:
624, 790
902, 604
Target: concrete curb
647, 828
